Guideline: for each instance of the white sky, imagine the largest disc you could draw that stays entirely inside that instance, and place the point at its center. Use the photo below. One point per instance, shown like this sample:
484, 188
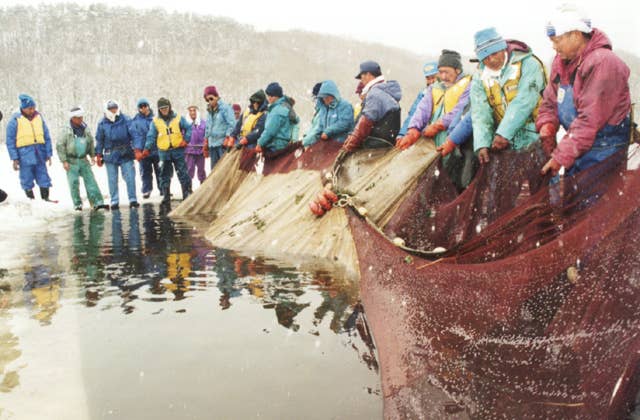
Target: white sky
421, 27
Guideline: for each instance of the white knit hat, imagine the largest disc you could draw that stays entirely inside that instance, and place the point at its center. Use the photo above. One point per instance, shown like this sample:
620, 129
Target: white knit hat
76, 111
567, 17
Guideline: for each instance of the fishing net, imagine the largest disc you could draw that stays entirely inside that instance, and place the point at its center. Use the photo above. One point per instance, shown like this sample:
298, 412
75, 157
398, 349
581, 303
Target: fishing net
531, 312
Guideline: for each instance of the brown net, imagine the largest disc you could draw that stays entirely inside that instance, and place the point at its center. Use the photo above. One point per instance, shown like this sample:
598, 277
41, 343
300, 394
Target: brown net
531, 313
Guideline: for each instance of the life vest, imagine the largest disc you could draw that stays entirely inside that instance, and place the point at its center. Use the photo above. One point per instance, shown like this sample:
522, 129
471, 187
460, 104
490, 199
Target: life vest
29, 132
169, 137
448, 97
249, 121
509, 91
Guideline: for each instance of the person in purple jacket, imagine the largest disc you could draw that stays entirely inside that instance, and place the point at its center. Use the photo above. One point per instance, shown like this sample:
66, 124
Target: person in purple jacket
193, 152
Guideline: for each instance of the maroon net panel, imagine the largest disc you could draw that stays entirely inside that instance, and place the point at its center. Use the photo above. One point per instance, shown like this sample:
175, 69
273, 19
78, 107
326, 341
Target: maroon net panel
535, 316
318, 156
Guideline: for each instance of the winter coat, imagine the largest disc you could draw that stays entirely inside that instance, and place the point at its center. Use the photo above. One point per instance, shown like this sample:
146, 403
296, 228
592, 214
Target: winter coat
425, 113
67, 147
253, 136
197, 136
220, 124
279, 129
28, 155
152, 136
314, 133
412, 111
336, 119
600, 91
461, 128
380, 99
139, 129
517, 124
114, 141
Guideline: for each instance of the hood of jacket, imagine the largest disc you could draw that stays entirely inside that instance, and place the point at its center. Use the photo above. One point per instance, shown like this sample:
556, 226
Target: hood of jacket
392, 88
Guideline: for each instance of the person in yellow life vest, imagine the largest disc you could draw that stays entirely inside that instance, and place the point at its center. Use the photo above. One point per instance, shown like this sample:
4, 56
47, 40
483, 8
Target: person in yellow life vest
170, 132
251, 123
506, 93
29, 145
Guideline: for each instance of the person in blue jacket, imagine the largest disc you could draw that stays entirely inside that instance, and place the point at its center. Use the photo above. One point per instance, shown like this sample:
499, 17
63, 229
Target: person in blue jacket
430, 71
151, 164
114, 147
280, 128
29, 145
335, 116
220, 123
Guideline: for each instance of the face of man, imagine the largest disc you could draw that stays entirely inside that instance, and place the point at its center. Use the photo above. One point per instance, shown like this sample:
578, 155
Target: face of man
193, 112
569, 45
236, 112
271, 99
113, 109
77, 121
431, 79
164, 111
144, 109
327, 100
366, 77
28, 112
495, 61
212, 100
255, 105
448, 75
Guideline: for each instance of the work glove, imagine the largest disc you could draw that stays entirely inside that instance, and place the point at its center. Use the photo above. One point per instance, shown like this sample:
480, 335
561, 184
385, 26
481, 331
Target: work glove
99, 160
433, 129
258, 149
358, 135
499, 143
552, 165
183, 144
409, 139
447, 147
145, 153
548, 134
138, 154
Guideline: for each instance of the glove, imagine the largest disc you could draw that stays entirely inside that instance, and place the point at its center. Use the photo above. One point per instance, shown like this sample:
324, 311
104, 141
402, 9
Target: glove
138, 154
447, 147
244, 141
99, 160
16, 165
145, 153
324, 136
433, 129
409, 139
499, 143
483, 155
228, 142
358, 135
205, 150
183, 144
258, 149
548, 133
552, 166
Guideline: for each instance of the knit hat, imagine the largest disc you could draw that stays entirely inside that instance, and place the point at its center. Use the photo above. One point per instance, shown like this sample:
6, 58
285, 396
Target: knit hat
368, 67
258, 97
236, 107
26, 101
487, 42
142, 101
450, 58
211, 90
76, 111
163, 102
111, 103
430, 68
274, 89
567, 18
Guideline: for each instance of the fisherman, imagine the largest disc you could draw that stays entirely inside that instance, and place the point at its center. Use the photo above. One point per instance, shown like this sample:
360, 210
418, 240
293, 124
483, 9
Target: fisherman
280, 127
430, 71
251, 122
139, 130
193, 153
30, 149
335, 115
219, 125
75, 144
588, 95
237, 110
505, 94
312, 135
114, 146
169, 131
379, 121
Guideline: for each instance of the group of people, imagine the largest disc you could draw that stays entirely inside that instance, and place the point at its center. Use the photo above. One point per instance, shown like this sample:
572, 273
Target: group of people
508, 103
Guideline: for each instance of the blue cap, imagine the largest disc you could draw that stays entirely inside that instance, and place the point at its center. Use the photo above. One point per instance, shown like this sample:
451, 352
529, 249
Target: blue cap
488, 41
274, 89
368, 67
143, 101
430, 68
26, 101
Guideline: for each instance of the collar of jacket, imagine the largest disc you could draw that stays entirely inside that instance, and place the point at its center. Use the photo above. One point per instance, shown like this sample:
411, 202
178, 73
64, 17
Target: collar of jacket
368, 86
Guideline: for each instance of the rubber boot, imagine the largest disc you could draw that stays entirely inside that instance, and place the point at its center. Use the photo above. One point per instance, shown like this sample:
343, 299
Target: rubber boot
44, 193
29, 194
166, 197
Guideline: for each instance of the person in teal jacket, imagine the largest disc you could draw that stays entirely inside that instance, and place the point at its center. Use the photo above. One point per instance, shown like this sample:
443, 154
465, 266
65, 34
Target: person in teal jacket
281, 124
335, 115
75, 144
312, 135
506, 92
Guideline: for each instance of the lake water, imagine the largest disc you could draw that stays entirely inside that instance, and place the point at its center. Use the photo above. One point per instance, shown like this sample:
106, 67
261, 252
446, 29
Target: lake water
131, 315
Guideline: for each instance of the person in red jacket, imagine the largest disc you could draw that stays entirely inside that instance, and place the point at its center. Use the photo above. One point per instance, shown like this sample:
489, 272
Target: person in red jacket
588, 95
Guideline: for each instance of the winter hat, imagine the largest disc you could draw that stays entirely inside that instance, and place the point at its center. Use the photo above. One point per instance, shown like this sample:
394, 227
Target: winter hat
26, 101
76, 111
567, 18
274, 89
211, 90
316, 89
430, 68
163, 102
488, 41
111, 103
258, 97
236, 107
368, 67
142, 101
450, 58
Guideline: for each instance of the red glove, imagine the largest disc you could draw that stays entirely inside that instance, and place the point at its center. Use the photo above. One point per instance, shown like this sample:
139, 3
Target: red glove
99, 160
205, 150
409, 139
483, 155
447, 147
145, 153
433, 129
244, 141
138, 154
499, 143
358, 135
324, 136
548, 134
552, 166
228, 141
258, 149
183, 144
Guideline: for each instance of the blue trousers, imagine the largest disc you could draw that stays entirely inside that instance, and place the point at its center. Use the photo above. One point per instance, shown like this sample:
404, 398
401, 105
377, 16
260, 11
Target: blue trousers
215, 153
128, 174
174, 159
37, 173
149, 166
